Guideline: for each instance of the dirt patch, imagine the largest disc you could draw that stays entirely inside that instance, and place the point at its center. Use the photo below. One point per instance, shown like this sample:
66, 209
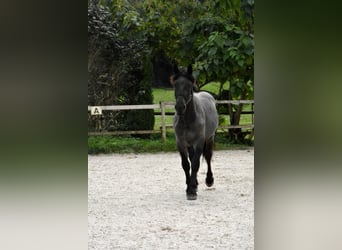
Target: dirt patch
139, 202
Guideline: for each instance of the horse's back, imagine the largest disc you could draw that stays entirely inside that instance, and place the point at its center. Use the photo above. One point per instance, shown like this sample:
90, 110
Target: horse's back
207, 103
205, 97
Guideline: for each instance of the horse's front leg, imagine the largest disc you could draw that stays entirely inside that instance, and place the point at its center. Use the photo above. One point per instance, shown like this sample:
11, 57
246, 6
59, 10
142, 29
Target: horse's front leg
185, 164
195, 163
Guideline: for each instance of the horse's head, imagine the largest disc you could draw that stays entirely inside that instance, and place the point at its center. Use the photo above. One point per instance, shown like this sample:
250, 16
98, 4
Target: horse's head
183, 83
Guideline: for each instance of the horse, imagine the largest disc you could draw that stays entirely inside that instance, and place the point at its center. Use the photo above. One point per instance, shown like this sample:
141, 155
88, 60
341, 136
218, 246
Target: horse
195, 122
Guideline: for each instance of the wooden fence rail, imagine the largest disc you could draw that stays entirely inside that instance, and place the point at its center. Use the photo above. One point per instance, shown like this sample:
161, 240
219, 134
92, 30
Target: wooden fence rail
162, 106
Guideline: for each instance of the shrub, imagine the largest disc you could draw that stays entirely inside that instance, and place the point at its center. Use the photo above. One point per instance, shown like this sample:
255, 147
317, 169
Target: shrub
119, 73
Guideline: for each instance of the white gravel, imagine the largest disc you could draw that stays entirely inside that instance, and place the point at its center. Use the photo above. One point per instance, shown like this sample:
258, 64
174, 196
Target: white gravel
139, 202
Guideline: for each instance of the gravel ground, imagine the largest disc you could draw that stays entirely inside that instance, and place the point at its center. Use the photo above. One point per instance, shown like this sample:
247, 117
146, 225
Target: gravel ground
139, 202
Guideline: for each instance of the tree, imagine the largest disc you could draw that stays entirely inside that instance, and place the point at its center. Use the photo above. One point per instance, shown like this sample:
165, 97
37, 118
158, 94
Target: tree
216, 36
225, 52
118, 72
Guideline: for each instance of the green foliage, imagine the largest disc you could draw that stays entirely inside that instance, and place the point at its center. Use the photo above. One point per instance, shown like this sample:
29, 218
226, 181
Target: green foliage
226, 48
216, 36
119, 73
140, 120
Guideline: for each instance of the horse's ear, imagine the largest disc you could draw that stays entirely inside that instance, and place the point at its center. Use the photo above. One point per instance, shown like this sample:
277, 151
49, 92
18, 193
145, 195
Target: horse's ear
175, 68
171, 80
195, 86
189, 69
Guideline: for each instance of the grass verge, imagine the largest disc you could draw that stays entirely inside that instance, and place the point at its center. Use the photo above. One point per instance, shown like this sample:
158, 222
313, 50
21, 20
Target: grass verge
154, 144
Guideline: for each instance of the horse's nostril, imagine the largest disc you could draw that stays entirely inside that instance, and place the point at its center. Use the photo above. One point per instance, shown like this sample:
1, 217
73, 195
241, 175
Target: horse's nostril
180, 108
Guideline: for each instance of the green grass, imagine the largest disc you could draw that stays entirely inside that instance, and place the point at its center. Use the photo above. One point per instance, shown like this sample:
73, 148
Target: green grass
160, 94
167, 95
129, 144
214, 87
157, 121
154, 144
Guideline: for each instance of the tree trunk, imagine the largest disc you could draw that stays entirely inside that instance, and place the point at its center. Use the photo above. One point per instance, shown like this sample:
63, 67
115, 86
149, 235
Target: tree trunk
235, 135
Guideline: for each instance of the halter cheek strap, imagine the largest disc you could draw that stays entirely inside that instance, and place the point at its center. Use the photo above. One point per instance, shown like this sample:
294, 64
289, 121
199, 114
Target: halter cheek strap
189, 100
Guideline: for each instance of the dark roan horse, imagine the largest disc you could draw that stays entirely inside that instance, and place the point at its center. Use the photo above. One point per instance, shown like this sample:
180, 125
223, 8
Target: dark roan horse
195, 123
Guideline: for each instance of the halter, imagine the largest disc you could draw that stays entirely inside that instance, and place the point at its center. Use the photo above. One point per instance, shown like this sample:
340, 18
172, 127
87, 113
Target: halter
189, 100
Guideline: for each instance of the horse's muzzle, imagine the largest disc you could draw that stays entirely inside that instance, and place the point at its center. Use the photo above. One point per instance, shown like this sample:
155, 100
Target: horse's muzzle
180, 109
180, 106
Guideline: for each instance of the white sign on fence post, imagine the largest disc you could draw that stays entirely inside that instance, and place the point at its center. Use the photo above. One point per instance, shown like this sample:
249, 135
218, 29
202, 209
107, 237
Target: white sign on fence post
96, 111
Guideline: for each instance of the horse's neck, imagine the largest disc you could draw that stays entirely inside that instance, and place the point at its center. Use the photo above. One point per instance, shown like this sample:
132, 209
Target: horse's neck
190, 113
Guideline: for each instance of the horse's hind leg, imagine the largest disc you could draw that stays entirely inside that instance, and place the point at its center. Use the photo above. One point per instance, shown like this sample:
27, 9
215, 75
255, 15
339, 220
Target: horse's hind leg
208, 153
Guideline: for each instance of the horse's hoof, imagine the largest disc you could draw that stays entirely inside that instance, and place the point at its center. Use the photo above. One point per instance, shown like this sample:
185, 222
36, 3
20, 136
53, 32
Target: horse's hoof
191, 190
209, 182
191, 197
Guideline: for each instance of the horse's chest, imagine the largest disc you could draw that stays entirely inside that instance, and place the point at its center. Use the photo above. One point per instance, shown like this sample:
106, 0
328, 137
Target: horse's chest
188, 133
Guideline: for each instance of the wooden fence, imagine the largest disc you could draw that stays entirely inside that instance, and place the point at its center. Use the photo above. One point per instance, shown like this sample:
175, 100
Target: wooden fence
162, 106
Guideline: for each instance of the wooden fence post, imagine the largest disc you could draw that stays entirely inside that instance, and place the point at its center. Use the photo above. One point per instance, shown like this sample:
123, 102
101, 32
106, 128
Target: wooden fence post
163, 120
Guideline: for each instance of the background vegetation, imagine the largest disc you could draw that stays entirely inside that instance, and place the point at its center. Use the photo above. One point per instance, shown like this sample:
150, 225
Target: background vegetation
124, 144
118, 73
126, 37
133, 144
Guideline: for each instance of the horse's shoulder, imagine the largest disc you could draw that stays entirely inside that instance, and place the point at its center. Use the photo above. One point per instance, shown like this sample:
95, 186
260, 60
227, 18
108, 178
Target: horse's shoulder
203, 100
